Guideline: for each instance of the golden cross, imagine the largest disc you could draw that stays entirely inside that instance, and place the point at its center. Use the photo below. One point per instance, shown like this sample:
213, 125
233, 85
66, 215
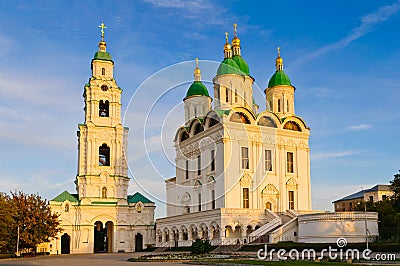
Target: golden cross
226, 36
234, 28
102, 26
279, 51
197, 62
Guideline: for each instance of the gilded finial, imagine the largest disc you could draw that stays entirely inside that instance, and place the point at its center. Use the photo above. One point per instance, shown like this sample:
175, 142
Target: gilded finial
235, 41
197, 73
102, 26
279, 60
226, 37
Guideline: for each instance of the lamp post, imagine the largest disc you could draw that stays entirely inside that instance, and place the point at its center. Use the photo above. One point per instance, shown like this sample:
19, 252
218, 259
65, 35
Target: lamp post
366, 227
18, 241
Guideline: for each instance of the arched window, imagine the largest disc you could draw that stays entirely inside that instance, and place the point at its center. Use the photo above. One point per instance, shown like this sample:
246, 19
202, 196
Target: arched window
103, 71
226, 95
292, 126
199, 128
266, 122
239, 118
104, 192
268, 206
104, 155
287, 105
66, 209
104, 108
184, 136
279, 105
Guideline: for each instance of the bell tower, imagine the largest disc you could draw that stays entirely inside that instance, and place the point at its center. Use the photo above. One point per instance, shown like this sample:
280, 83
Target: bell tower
102, 163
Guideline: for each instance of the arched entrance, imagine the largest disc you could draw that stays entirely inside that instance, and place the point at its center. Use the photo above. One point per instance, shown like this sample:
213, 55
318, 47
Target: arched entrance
99, 237
138, 242
110, 235
103, 237
65, 244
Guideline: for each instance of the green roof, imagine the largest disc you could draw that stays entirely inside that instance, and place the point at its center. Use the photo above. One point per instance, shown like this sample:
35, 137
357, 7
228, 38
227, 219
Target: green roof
102, 56
66, 196
222, 112
135, 198
243, 67
228, 66
279, 78
197, 89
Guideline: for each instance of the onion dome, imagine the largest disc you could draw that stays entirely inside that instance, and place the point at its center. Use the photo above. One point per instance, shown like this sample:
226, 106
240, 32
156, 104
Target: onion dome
233, 64
279, 77
102, 54
197, 88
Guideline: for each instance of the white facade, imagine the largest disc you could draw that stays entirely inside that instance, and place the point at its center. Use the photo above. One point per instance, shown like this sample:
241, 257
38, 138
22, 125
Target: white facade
233, 164
244, 176
101, 217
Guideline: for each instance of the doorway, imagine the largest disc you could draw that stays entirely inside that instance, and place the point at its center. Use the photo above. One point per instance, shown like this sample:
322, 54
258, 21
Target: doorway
65, 244
138, 242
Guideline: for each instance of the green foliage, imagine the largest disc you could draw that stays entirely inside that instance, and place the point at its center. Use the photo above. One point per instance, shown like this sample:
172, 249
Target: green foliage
32, 215
395, 187
201, 246
388, 213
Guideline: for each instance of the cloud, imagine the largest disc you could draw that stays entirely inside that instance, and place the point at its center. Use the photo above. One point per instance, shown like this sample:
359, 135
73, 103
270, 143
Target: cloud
360, 127
331, 155
193, 6
368, 23
195, 9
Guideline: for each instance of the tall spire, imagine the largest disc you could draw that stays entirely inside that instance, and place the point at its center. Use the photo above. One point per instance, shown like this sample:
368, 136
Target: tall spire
235, 41
102, 43
197, 73
279, 60
227, 47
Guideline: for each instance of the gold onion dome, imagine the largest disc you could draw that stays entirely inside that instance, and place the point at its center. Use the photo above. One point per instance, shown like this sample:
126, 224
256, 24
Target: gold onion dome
236, 41
197, 88
279, 77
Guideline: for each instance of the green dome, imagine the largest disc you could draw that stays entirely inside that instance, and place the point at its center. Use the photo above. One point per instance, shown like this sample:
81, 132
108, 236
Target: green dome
279, 78
102, 56
197, 89
228, 66
242, 64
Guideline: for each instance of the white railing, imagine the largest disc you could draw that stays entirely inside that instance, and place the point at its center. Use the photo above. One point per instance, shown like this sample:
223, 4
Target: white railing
277, 234
266, 228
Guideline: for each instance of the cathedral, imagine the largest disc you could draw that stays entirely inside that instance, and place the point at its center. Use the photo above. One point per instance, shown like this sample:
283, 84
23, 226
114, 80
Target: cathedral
236, 166
243, 175
101, 217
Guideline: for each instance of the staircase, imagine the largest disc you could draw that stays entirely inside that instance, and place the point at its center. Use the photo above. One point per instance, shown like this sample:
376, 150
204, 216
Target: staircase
160, 249
257, 235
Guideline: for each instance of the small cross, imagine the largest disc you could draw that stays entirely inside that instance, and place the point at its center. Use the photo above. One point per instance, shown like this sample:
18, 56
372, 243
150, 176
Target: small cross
102, 26
279, 51
226, 36
197, 62
234, 28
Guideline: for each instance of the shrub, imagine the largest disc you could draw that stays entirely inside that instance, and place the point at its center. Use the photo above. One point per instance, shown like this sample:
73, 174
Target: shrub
201, 247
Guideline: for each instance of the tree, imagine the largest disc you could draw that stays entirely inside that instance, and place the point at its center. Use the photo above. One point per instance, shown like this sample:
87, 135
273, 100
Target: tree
201, 246
32, 215
36, 222
395, 187
7, 223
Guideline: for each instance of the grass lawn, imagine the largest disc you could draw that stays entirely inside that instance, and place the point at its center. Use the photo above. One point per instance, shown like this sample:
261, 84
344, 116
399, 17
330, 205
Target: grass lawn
244, 261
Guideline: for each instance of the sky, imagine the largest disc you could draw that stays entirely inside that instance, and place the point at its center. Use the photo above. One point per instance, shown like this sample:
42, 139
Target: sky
343, 57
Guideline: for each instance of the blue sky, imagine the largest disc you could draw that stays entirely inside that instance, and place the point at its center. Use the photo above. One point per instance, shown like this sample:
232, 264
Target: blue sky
343, 57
